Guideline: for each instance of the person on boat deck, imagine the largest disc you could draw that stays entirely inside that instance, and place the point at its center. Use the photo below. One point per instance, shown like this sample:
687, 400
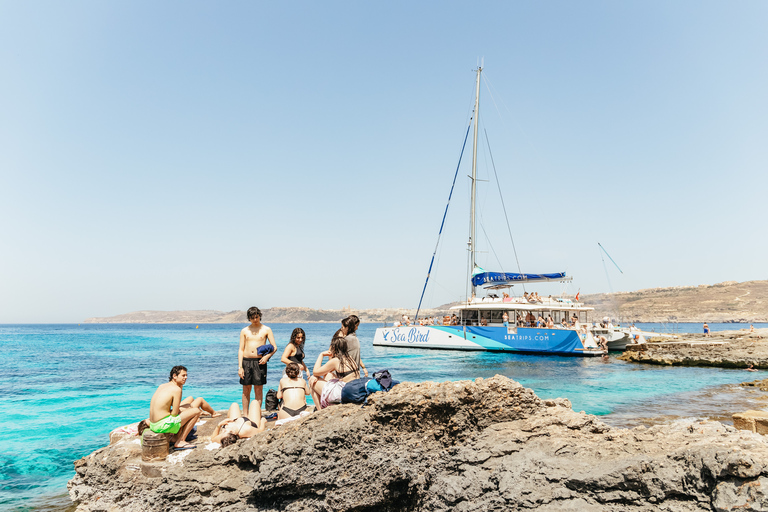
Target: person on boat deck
329, 379
293, 391
525, 296
564, 323
165, 413
550, 322
294, 351
540, 322
519, 321
575, 321
530, 319
483, 320
505, 318
237, 426
454, 319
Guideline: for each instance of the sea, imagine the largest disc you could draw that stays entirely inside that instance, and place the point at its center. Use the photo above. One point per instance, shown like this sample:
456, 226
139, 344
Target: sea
63, 388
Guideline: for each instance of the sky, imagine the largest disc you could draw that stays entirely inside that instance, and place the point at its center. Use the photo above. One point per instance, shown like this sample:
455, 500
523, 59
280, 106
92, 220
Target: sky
200, 155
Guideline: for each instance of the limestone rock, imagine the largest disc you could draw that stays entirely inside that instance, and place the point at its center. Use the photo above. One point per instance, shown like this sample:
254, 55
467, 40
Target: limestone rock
754, 421
472, 445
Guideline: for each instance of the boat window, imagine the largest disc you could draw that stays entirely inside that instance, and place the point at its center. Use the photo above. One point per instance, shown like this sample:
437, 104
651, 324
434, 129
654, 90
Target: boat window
496, 317
469, 317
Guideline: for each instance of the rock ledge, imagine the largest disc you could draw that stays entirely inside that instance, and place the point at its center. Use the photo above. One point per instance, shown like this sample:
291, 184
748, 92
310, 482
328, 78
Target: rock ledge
484, 445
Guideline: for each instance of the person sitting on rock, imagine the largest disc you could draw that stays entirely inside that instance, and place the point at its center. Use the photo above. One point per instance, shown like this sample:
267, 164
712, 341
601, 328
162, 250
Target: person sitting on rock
237, 426
329, 379
165, 413
293, 391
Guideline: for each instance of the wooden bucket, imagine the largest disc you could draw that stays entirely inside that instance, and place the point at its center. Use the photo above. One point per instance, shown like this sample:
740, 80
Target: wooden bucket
154, 446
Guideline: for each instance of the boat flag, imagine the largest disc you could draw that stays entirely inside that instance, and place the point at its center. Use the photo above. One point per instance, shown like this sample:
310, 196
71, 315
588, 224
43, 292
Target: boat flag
477, 270
577, 295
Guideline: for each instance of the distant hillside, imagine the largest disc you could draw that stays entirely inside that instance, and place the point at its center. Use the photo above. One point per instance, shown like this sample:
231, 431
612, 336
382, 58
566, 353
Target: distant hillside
723, 302
275, 315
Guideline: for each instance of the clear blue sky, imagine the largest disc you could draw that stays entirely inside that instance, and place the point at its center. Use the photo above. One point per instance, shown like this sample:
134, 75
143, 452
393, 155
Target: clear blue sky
200, 155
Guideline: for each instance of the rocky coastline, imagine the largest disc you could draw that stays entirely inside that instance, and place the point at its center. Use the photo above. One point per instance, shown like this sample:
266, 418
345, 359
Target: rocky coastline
471, 445
724, 349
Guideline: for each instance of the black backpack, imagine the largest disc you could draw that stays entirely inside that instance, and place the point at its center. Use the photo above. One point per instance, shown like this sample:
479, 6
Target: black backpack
271, 403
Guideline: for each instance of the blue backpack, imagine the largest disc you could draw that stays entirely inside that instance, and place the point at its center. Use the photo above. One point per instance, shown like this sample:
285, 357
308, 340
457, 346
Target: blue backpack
357, 391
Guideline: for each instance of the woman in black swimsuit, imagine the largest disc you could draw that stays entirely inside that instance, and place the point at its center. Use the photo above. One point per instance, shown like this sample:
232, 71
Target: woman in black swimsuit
293, 390
237, 426
294, 351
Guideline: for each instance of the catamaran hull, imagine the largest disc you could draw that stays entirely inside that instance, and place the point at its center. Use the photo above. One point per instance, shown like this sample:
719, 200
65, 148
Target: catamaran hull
496, 339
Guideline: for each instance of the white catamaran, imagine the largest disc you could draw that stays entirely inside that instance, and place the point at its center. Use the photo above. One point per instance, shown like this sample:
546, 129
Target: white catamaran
503, 324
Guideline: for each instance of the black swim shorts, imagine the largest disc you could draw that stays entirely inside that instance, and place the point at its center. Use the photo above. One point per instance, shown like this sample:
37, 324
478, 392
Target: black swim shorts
255, 374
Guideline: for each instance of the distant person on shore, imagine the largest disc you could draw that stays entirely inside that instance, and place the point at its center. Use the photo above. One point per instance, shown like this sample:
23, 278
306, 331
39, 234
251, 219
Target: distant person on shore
237, 426
165, 412
292, 390
252, 365
706, 330
294, 351
329, 379
349, 329
751, 328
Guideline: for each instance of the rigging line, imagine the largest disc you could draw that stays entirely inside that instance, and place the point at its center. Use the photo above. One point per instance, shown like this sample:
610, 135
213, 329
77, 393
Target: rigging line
442, 224
504, 207
609, 257
607, 277
487, 239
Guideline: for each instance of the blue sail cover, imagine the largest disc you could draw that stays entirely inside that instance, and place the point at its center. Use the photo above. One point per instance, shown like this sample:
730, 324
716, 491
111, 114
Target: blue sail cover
511, 277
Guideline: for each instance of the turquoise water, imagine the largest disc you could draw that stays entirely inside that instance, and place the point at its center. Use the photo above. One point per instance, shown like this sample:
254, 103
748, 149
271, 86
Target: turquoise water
65, 387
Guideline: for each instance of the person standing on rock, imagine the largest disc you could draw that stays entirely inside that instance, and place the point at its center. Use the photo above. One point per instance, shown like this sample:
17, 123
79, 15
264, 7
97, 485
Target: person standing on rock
252, 363
706, 330
165, 413
349, 329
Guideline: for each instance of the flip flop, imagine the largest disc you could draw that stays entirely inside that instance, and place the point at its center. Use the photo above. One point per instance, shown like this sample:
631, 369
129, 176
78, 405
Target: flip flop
271, 416
185, 447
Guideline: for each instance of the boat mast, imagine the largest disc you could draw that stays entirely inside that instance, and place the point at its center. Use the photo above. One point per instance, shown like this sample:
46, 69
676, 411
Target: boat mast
472, 221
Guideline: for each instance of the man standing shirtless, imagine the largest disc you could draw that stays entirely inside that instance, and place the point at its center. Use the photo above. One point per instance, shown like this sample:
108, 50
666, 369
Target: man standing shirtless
165, 413
252, 367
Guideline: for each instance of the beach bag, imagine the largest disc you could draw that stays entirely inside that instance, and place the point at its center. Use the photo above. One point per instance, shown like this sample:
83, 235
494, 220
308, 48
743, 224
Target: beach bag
271, 403
356, 391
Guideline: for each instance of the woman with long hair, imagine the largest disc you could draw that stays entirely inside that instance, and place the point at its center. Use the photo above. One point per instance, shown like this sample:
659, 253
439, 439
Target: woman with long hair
329, 379
294, 351
293, 390
349, 329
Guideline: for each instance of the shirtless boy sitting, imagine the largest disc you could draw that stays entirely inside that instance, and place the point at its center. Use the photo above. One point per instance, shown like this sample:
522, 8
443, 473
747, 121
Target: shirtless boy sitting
252, 367
165, 412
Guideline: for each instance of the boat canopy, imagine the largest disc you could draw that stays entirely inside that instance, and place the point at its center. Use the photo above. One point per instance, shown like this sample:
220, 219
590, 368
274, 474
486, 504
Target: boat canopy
497, 278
